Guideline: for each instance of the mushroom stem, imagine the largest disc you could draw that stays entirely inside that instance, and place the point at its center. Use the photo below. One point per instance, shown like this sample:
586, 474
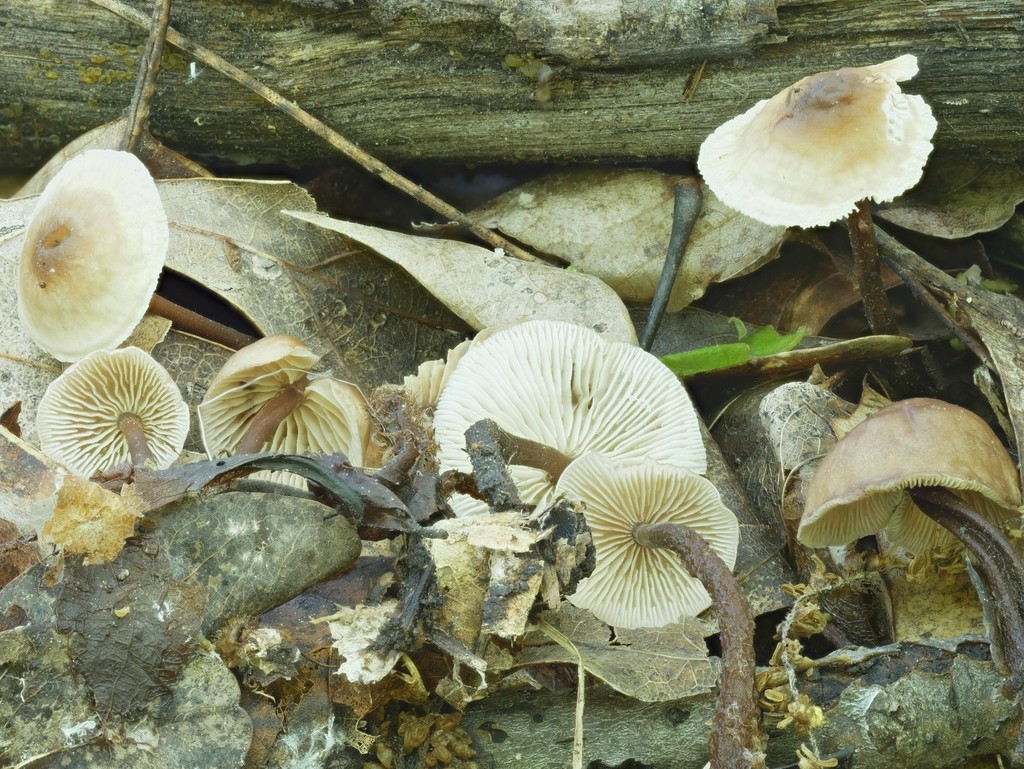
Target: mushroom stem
198, 325
999, 565
134, 432
688, 201
736, 736
522, 451
868, 268
272, 413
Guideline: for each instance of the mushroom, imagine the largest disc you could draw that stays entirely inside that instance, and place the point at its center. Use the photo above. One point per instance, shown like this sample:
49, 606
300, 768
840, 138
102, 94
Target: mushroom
928, 474
652, 526
93, 253
633, 586
563, 386
819, 150
112, 407
264, 398
862, 485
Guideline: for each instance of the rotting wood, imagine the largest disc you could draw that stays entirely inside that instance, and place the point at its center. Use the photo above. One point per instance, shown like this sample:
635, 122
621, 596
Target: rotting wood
438, 84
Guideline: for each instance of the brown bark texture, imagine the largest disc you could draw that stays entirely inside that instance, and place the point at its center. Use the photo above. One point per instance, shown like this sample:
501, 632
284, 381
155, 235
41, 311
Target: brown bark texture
494, 80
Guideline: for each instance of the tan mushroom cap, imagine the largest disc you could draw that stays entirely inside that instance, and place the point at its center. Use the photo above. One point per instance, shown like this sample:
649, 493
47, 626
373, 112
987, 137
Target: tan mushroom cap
332, 415
634, 586
280, 355
565, 386
77, 420
92, 255
859, 488
807, 155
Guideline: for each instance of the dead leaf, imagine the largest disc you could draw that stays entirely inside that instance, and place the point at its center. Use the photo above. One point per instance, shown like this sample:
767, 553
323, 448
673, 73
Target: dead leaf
131, 626
354, 629
648, 664
90, 521
616, 225
959, 195
31, 482
485, 288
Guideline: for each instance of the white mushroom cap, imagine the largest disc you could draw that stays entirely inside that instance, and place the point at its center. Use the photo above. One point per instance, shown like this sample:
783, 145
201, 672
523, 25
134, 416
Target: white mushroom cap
92, 255
634, 586
563, 385
860, 486
78, 415
331, 416
807, 155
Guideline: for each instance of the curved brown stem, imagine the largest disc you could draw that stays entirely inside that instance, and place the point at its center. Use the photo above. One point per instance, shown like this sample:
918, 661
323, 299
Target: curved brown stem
998, 564
270, 416
737, 740
135, 434
868, 268
198, 325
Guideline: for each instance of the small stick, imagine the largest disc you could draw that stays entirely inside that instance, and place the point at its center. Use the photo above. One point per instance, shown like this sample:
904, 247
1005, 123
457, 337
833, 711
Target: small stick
332, 137
145, 81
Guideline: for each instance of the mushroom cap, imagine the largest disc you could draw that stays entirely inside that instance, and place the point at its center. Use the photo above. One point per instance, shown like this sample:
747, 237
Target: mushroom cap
77, 420
331, 417
806, 156
279, 355
565, 386
634, 586
859, 488
93, 253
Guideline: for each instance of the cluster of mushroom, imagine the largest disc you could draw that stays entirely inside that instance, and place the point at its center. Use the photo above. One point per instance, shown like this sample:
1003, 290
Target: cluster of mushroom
93, 253
620, 435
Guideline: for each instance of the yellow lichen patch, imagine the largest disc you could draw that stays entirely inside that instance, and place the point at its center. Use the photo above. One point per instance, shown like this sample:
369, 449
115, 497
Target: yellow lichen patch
89, 520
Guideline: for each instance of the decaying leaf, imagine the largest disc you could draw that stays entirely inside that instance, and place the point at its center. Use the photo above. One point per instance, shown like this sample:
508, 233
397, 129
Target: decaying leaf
131, 626
90, 521
616, 225
354, 629
48, 715
960, 195
651, 665
31, 482
488, 289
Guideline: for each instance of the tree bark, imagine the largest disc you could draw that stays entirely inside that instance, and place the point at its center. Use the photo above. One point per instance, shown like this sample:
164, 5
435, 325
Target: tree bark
495, 80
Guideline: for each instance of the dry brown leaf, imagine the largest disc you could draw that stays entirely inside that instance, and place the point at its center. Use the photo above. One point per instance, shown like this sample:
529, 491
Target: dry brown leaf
648, 664
958, 196
485, 288
89, 520
616, 225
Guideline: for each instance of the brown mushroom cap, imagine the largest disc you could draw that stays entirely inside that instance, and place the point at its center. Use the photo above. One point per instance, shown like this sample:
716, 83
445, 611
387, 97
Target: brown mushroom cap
92, 255
78, 415
807, 155
859, 488
332, 415
565, 386
634, 586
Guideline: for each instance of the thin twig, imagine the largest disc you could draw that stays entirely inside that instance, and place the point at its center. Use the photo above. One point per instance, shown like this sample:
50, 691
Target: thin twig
145, 81
332, 137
